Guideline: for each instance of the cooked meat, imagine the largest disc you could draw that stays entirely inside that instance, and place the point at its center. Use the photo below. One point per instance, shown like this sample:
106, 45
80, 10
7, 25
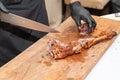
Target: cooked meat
59, 50
83, 29
88, 42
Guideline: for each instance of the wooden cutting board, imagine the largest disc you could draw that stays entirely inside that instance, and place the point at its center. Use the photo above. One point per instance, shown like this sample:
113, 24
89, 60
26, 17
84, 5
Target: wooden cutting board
35, 63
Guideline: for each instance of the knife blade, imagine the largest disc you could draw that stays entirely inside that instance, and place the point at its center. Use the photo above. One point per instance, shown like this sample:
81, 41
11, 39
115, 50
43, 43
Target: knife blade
26, 23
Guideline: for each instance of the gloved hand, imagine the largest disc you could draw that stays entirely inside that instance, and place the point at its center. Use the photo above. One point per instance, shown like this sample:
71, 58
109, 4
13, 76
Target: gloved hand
115, 6
3, 8
79, 13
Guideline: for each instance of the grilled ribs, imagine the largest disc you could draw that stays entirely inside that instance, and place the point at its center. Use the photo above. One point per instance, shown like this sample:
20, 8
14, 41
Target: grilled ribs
59, 50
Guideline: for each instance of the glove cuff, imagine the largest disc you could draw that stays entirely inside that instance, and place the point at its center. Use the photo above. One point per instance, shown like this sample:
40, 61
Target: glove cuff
77, 3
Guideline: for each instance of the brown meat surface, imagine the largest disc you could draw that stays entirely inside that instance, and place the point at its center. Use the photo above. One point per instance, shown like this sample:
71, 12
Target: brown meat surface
59, 50
83, 29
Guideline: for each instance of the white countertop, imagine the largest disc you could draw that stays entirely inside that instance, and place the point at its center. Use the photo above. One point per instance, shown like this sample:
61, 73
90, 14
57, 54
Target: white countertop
108, 68
112, 16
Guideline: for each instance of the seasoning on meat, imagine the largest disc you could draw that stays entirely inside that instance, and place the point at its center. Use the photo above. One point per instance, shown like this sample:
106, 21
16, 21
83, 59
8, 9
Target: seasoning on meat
59, 50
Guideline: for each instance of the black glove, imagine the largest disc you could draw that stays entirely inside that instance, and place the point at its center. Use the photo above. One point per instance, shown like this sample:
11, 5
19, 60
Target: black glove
3, 8
79, 13
115, 6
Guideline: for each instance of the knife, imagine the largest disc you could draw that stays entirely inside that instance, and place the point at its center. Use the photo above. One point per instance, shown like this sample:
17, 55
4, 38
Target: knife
26, 23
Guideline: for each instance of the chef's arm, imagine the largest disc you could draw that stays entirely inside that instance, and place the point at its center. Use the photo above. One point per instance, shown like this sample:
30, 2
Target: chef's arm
3, 8
79, 13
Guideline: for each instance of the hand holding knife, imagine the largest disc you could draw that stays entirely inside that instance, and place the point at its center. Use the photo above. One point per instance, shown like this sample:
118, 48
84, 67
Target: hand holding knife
7, 17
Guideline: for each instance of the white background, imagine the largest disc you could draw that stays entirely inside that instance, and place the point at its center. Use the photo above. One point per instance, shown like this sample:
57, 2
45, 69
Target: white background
108, 68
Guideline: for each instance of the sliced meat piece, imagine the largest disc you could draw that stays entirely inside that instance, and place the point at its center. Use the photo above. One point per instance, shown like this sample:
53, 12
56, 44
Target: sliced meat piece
83, 29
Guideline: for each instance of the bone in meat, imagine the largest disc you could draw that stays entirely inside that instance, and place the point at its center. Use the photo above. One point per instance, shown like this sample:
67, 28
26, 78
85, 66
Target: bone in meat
59, 50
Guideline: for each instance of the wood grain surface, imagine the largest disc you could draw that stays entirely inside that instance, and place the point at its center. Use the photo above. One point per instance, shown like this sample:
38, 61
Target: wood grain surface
35, 63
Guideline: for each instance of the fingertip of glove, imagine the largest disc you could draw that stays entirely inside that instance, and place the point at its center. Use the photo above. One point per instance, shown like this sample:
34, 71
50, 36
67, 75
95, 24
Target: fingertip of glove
94, 24
90, 28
